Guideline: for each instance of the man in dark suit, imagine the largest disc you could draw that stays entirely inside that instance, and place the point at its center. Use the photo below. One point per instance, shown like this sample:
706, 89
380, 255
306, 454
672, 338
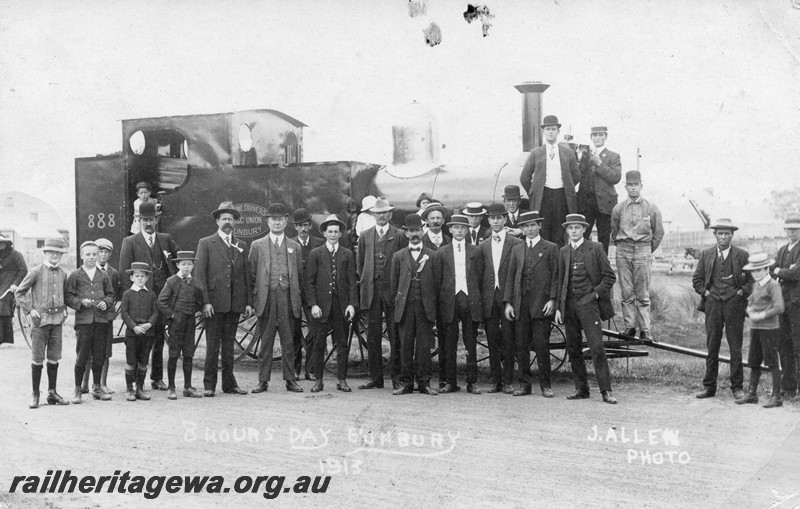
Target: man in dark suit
414, 282
376, 246
723, 286
550, 181
302, 223
474, 212
156, 250
496, 252
512, 200
276, 279
584, 301
222, 269
460, 301
601, 170
434, 216
331, 294
530, 298
787, 271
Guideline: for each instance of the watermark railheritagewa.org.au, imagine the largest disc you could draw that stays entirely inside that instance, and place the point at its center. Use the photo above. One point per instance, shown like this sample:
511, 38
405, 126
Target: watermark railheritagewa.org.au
151, 487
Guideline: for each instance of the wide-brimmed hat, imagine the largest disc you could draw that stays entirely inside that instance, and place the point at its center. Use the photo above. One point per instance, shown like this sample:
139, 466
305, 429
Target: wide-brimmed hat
458, 219
758, 261
140, 266
511, 192
300, 216
599, 129
423, 196
575, 219
413, 222
226, 206
277, 210
5, 239
792, 220
57, 245
633, 177
724, 223
551, 120
474, 208
367, 202
431, 207
148, 209
381, 205
331, 219
529, 217
496, 209
184, 255
104, 244
144, 185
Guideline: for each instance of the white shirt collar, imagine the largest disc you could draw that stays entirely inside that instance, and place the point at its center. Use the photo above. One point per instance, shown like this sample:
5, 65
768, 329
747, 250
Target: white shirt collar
501, 234
724, 251
137, 288
224, 236
276, 238
461, 243
577, 244
148, 236
334, 247
764, 280
535, 241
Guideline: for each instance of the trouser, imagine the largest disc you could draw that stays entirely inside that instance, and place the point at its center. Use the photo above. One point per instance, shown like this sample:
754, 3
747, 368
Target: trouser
220, 335
633, 273
501, 341
46, 342
300, 343
157, 371
90, 342
764, 347
554, 210
538, 330
278, 318
7, 329
441, 343
379, 311
318, 343
789, 347
583, 315
137, 352
416, 341
461, 314
728, 316
593, 215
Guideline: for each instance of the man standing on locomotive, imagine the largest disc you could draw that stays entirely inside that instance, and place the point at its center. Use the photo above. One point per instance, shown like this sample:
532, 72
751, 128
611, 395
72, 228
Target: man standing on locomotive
222, 269
157, 250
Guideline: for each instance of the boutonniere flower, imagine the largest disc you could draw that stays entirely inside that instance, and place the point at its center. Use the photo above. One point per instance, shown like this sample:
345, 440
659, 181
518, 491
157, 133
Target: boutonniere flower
166, 254
236, 245
422, 263
290, 249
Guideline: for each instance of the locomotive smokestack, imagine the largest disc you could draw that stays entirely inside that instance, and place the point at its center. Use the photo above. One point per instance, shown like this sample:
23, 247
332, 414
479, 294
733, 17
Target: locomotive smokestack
531, 113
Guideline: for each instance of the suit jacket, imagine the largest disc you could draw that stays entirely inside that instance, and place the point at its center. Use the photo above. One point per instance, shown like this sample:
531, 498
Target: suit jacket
79, 287
318, 284
533, 175
488, 281
428, 243
511, 223
258, 268
135, 249
606, 175
447, 288
545, 277
168, 296
483, 232
225, 279
113, 276
600, 273
312, 243
13, 271
396, 240
701, 279
789, 275
403, 270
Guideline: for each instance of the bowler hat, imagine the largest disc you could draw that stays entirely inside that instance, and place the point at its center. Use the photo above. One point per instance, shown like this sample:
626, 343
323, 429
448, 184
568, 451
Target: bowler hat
600, 129
458, 219
277, 210
474, 208
431, 207
792, 220
140, 266
511, 192
367, 202
300, 216
381, 205
575, 219
758, 261
226, 206
144, 185
148, 209
724, 223
104, 244
57, 245
633, 177
184, 255
331, 219
529, 217
551, 120
413, 222
496, 209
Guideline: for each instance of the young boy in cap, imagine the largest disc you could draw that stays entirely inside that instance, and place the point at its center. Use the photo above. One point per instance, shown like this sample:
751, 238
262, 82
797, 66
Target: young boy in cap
89, 293
143, 191
180, 299
41, 295
139, 312
764, 306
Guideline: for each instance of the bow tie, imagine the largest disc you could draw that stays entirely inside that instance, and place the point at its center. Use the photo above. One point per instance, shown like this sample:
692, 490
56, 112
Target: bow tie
188, 279
54, 269
414, 249
496, 238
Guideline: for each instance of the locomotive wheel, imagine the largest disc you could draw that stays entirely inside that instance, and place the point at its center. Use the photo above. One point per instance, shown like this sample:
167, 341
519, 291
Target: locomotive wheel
558, 348
245, 343
25, 325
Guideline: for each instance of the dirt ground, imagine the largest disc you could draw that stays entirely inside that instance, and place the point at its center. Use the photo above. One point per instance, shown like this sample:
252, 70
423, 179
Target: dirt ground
656, 448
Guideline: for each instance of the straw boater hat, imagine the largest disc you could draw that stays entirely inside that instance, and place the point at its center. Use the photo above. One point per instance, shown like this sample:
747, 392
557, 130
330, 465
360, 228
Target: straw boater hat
300, 216
184, 255
57, 245
140, 266
575, 219
413, 222
104, 244
431, 207
148, 209
496, 209
226, 206
724, 223
331, 219
758, 261
277, 210
458, 219
792, 220
381, 205
551, 120
474, 208
529, 217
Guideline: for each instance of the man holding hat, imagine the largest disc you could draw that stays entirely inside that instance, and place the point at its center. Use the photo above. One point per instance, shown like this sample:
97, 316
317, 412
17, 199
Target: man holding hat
276, 278
496, 254
222, 270
12, 272
637, 230
414, 282
302, 223
331, 294
584, 301
530, 298
474, 212
376, 246
549, 177
787, 271
600, 172
723, 286
157, 250
512, 200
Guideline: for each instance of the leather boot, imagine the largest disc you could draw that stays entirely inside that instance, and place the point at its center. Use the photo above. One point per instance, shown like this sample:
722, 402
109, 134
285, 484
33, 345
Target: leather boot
76, 399
776, 400
751, 396
97, 393
34, 400
53, 398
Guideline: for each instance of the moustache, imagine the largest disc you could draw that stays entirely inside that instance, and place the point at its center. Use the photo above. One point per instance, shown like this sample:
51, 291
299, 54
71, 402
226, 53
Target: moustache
416, 238
227, 228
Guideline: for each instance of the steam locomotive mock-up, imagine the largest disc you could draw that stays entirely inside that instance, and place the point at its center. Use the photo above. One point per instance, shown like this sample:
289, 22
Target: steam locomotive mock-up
255, 157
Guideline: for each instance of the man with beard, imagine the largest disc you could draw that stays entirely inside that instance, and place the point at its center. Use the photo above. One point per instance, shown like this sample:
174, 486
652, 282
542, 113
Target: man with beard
156, 250
302, 223
12, 272
222, 270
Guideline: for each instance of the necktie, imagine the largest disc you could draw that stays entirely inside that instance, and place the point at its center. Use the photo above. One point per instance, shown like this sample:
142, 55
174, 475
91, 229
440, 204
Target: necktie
228, 240
496, 238
474, 236
437, 239
530, 244
459, 247
552, 152
188, 279
380, 233
150, 241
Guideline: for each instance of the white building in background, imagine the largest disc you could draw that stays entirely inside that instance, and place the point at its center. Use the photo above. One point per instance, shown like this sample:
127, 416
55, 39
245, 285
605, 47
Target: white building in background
28, 221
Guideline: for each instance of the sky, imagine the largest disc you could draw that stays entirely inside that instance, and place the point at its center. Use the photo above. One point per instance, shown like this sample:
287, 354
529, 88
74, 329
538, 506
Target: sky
708, 92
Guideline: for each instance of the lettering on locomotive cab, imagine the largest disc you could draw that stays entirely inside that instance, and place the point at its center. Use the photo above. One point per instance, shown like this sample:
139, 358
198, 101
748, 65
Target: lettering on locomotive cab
252, 222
